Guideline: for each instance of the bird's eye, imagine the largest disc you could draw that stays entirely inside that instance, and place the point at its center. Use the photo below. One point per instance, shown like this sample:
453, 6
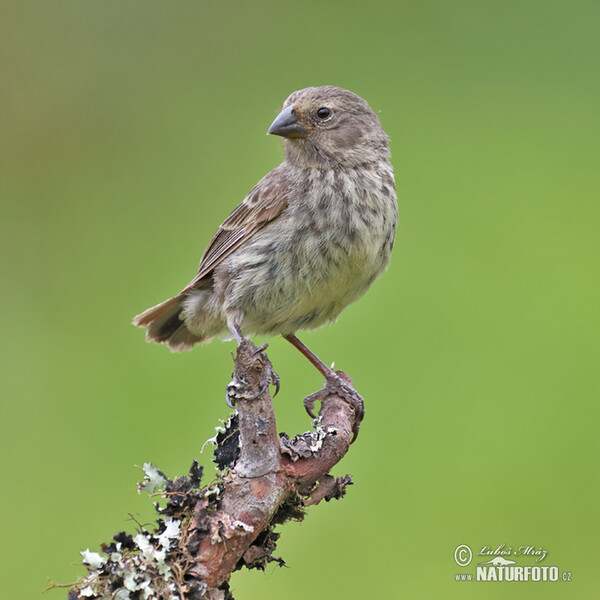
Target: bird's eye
324, 112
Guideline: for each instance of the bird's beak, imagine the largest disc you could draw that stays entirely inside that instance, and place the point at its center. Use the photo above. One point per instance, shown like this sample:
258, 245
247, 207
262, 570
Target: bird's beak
286, 124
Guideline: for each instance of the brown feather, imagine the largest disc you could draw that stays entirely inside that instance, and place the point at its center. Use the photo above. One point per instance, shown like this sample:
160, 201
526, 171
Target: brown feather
156, 312
263, 204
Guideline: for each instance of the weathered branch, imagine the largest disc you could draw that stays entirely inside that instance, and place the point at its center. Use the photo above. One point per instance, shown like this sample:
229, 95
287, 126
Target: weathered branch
204, 534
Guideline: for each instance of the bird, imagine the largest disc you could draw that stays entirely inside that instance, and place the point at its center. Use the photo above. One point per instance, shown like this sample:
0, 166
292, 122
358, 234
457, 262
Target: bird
309, 239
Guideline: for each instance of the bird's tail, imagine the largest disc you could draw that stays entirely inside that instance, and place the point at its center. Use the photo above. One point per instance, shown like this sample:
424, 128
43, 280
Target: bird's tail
165, 325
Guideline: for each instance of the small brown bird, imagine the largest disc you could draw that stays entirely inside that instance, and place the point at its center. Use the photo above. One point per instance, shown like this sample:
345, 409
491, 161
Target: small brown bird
308, 240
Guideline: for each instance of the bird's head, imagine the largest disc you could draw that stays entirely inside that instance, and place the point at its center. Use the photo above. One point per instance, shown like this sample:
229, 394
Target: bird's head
327, 127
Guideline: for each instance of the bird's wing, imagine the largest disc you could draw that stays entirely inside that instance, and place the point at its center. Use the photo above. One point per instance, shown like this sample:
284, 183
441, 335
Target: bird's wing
263, 204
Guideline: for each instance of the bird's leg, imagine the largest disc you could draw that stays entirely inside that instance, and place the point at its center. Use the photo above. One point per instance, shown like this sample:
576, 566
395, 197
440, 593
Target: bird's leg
314, 359
233, 324
237, 387
334, 384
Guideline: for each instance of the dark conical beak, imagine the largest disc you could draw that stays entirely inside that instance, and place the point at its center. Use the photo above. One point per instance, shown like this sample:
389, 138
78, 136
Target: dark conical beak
286, 124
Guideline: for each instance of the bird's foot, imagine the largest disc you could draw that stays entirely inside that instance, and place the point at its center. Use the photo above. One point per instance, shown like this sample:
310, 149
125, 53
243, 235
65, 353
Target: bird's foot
272, 378
240, 389
335, 384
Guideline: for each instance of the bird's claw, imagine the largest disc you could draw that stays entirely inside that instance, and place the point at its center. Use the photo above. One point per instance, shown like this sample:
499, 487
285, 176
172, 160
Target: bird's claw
272, 377
239, 389
309, 401
235, 391
334, 384
275, 380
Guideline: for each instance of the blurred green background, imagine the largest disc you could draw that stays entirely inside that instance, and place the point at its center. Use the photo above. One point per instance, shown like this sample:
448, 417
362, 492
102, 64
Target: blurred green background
129, 130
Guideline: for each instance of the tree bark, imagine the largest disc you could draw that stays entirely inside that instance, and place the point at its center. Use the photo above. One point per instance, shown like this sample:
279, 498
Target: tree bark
205, 534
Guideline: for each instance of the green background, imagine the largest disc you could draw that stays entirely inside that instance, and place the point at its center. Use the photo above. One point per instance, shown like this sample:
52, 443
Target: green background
129, 130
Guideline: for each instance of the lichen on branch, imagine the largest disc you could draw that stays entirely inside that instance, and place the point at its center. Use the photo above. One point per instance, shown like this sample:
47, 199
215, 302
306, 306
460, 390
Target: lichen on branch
205, 532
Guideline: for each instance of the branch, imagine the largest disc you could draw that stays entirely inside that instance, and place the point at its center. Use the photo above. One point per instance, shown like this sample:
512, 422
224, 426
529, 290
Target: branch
206, 533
